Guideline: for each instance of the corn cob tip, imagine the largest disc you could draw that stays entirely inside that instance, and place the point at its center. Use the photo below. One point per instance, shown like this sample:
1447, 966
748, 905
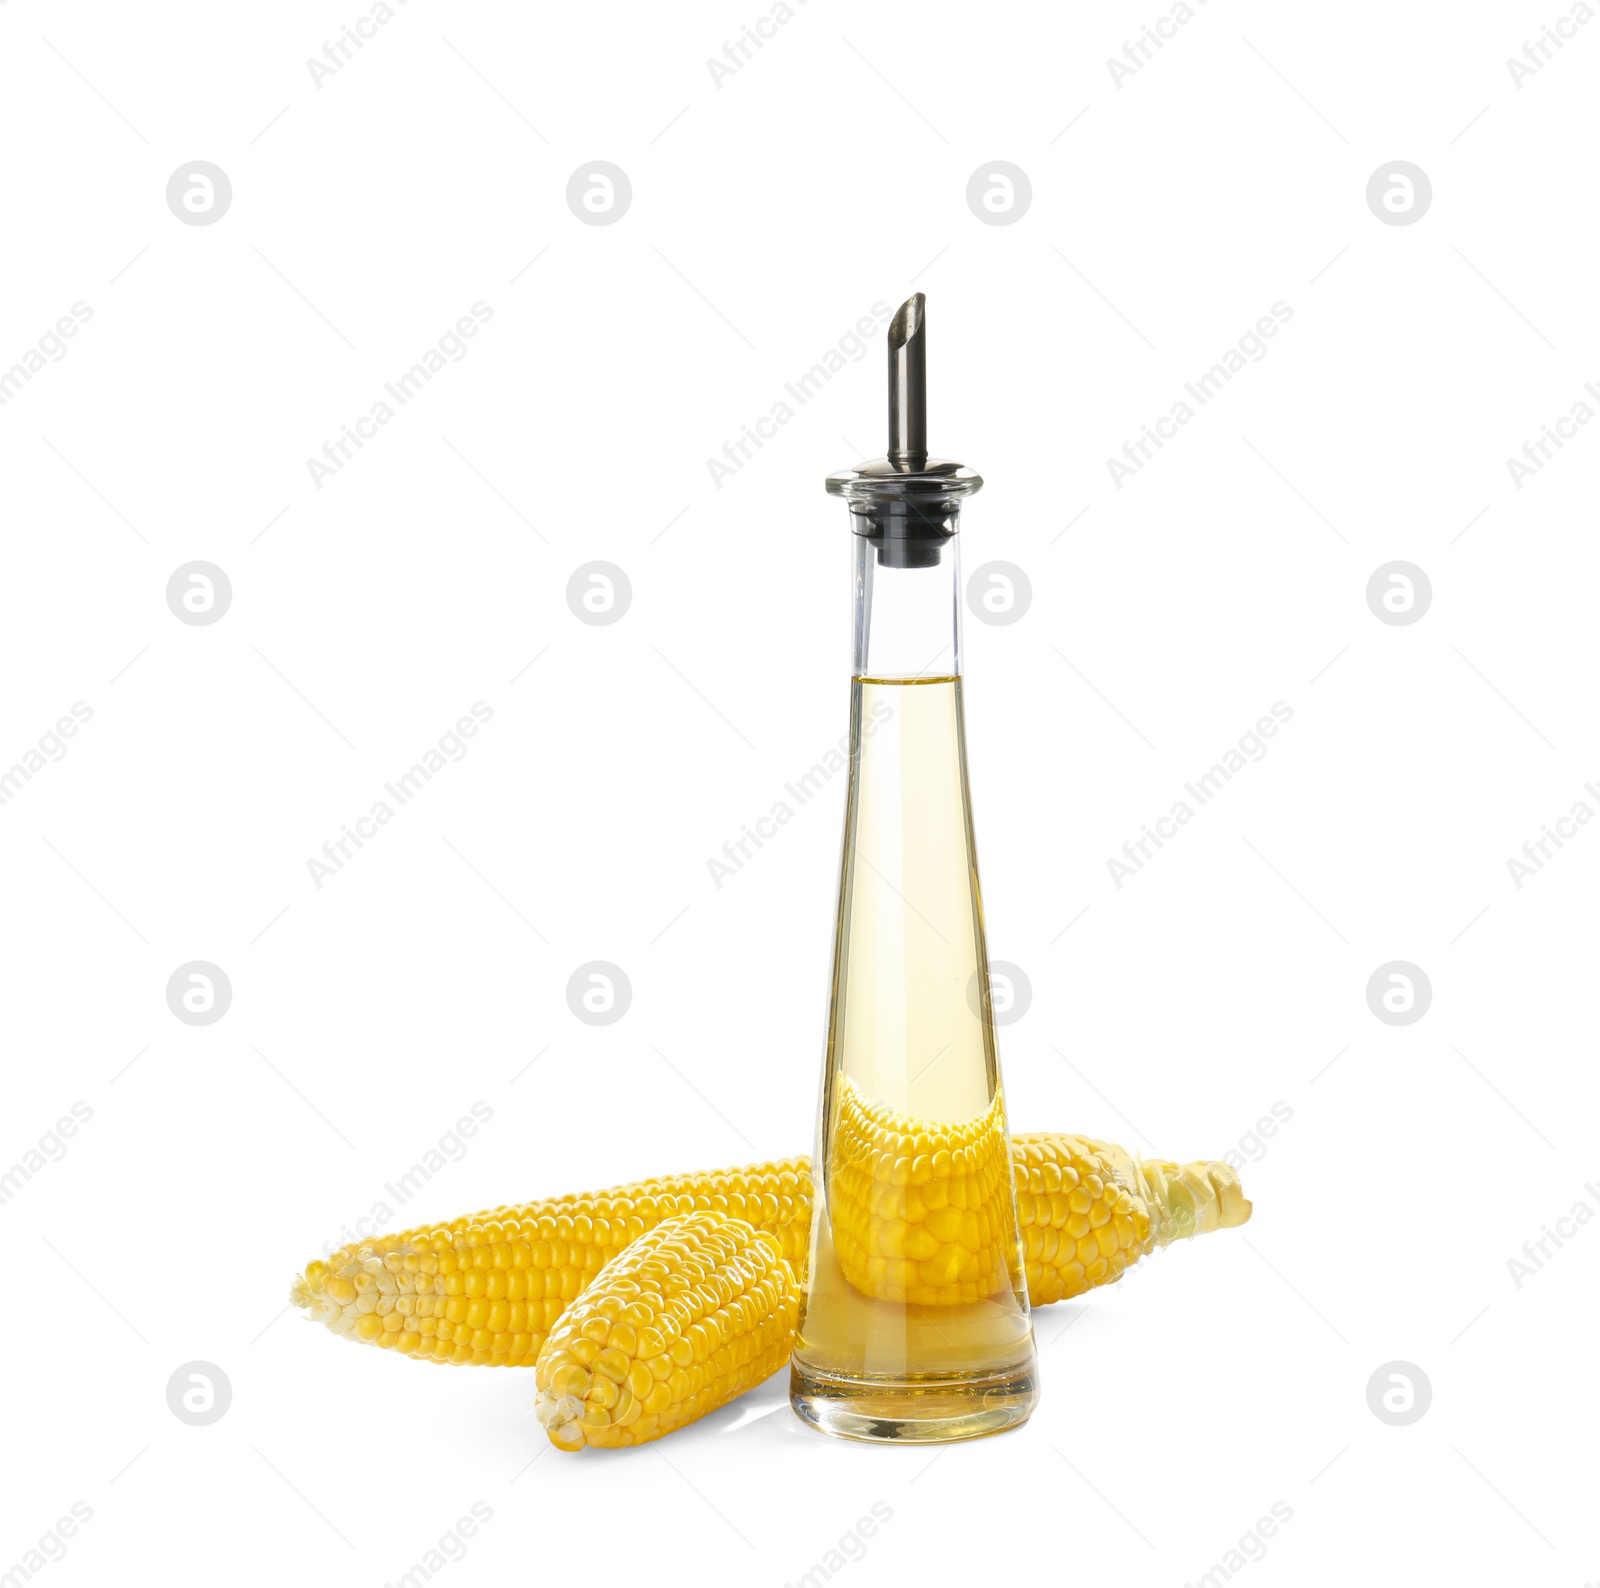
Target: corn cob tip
346, 1291
561, 1417
1195, 1198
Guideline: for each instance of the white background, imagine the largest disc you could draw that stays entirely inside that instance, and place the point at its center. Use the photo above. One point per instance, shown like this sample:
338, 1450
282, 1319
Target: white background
768, 215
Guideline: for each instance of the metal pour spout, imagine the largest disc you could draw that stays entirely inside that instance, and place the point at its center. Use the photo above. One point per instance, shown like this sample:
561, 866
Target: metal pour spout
908, 385
906, 503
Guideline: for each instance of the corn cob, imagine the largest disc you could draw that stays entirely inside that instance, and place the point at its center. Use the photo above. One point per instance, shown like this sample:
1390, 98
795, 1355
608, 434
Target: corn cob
489, 1288
1088, 1209
921, 1212
691, 1315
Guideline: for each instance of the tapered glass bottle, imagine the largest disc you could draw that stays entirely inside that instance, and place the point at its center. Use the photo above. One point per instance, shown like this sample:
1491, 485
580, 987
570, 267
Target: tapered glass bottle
914, 1324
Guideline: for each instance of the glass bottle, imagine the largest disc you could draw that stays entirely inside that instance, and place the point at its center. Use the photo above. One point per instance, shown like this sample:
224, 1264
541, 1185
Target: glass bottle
914, 1324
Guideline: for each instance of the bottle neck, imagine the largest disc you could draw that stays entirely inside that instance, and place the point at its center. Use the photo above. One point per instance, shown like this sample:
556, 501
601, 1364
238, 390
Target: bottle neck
907, 618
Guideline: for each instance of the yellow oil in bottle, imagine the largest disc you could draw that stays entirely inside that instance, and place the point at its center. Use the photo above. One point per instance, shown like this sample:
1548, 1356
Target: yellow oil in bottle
915, 1320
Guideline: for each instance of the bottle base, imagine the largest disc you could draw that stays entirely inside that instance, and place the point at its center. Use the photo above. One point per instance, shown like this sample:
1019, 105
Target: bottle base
919, 1410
